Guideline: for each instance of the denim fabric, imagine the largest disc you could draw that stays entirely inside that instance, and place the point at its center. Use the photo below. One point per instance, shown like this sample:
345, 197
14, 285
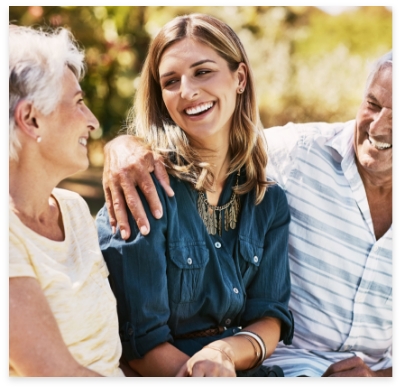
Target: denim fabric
179, 279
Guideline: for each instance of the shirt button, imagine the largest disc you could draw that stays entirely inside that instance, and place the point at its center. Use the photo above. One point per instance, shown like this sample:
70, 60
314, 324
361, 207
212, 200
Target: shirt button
359, 298
236, 290
218, 245
375, 249
189, 261
255, 259
228, 321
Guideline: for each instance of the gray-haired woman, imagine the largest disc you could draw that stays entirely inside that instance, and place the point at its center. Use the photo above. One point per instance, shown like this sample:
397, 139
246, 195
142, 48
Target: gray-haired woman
63, 319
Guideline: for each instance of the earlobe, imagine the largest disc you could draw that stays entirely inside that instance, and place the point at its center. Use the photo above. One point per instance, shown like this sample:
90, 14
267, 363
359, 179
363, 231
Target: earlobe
24, 116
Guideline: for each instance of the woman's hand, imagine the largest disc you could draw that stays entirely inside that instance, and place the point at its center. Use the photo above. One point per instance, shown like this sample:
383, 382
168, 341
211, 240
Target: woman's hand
209, 362
128, 163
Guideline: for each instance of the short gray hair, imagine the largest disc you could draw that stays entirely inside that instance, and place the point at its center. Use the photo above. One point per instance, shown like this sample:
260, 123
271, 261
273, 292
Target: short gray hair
37, 60
379, 64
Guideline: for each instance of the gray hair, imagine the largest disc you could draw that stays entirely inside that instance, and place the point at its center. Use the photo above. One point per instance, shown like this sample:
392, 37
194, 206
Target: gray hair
379, 64
37, 60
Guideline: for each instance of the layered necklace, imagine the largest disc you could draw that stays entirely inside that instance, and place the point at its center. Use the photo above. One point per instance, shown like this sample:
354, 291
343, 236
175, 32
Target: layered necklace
212, 215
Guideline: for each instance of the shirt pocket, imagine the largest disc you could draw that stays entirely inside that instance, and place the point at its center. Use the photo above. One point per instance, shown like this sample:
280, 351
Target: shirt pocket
249, 259
185, 272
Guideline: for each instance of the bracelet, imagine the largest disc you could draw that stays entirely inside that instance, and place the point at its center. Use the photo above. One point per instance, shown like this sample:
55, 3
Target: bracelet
259, 341
224, 353
257, 353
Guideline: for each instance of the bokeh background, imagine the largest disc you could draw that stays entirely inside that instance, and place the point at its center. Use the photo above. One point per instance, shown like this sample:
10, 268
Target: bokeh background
310, 63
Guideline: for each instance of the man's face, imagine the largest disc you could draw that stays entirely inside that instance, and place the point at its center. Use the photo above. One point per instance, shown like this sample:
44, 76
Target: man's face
373, 134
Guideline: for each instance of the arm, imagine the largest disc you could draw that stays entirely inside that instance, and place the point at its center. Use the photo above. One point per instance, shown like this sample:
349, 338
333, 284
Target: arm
140, 287
36, 344
164, 360
237, 353
128, 163
354, 367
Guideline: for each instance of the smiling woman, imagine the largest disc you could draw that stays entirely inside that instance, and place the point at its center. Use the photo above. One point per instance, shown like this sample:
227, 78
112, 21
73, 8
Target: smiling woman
62, 313
206, 292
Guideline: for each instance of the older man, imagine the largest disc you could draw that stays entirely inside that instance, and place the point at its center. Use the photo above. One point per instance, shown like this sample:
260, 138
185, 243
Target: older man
338, 181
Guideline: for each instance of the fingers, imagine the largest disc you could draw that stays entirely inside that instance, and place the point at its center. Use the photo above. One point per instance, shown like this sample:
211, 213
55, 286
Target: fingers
162, 176
110, 210
350, 367
118, 210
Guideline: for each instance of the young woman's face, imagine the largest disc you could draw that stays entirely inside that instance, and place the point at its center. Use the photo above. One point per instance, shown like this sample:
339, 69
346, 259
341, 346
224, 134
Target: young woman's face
199, 90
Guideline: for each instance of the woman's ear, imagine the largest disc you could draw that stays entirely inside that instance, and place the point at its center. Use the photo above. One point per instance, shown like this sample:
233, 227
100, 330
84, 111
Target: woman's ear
242, 75
25, 118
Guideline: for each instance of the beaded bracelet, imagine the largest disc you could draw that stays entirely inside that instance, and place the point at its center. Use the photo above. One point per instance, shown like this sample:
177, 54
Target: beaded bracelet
223, 352
259, 341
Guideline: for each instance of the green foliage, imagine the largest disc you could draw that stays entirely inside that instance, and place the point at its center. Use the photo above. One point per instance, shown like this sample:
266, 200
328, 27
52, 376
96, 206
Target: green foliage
309, 65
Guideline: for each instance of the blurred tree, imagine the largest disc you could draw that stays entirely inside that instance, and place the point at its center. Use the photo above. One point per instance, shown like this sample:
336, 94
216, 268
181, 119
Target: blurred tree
308, 65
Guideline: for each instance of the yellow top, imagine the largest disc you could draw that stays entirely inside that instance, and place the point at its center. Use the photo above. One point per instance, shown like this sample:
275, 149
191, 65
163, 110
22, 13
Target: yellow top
73, 276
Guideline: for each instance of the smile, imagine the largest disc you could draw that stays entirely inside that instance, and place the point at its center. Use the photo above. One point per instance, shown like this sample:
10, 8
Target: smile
198, 109
379, 145
82, 141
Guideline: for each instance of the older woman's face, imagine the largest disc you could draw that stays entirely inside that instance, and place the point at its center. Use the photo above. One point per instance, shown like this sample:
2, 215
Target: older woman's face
65, 131
199, 90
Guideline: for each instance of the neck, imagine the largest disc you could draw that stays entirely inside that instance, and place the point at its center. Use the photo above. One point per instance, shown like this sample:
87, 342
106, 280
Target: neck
30, 190
379, 198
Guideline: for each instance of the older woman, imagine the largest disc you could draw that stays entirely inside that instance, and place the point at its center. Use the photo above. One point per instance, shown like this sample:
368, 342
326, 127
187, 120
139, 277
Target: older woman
206, 292
62, 313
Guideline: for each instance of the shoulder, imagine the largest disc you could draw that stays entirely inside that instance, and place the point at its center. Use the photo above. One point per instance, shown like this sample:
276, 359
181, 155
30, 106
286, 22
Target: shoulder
292, 132
71, 199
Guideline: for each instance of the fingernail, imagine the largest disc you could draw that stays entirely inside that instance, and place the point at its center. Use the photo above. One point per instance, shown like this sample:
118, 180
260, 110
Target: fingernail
123, 234
144, 230
158, 214
113, 230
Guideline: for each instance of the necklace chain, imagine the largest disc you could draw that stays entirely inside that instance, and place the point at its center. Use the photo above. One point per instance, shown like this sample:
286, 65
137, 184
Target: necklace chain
212, 216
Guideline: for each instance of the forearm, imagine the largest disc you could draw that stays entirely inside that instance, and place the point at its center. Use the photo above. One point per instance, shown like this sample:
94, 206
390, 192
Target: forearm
241, 350
164, 360
384, 372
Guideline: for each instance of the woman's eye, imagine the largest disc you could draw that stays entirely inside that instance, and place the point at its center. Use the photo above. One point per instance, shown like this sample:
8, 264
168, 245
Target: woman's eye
169, 83
202, 72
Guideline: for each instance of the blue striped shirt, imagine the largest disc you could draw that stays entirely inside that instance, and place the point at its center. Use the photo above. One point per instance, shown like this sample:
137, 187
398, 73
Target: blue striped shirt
341, 275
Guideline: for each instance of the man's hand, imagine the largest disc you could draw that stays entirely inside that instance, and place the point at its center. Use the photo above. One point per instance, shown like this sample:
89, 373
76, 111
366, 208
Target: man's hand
354, 367
128, 163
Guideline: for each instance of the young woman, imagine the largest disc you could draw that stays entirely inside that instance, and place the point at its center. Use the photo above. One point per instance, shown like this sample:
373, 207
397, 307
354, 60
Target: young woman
205, 293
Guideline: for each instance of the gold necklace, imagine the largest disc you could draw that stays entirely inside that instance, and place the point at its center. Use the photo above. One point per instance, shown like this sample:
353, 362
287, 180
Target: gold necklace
211, 215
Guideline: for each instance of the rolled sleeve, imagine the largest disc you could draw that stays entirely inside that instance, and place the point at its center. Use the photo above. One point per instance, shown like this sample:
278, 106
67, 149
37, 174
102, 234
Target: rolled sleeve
138, 278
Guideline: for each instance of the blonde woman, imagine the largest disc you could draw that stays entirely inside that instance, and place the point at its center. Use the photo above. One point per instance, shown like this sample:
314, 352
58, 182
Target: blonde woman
62, 312
206, 292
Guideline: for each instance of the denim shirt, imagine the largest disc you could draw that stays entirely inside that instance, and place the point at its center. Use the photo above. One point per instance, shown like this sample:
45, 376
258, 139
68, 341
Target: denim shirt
179, 279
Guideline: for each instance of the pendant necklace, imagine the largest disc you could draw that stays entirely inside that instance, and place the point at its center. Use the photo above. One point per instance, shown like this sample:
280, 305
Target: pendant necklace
212, 215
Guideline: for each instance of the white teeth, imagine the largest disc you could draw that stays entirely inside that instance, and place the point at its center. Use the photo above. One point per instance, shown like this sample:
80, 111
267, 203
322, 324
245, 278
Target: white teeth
379, 145
82, 141
199, 108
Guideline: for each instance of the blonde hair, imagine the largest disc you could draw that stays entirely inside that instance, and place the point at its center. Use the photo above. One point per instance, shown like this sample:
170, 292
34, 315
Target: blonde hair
151, 122
37, 60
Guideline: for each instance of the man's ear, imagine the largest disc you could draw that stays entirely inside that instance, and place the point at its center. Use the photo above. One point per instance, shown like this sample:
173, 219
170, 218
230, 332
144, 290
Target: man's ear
25, 118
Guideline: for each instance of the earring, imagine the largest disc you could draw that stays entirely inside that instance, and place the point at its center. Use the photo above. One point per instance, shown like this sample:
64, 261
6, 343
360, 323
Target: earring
39, 139
241, 90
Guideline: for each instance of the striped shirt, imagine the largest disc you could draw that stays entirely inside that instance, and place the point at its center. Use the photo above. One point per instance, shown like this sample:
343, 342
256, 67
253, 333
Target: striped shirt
341, 275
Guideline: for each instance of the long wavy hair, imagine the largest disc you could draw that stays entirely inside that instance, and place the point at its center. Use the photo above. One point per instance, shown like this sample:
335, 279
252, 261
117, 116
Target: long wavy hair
150, 121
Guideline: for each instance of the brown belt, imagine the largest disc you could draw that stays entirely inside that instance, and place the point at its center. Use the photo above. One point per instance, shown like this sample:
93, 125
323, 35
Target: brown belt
198, 334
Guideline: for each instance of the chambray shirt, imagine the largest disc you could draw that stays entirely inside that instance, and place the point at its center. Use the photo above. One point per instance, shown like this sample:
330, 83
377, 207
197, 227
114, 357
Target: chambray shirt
341, 274
179, 279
